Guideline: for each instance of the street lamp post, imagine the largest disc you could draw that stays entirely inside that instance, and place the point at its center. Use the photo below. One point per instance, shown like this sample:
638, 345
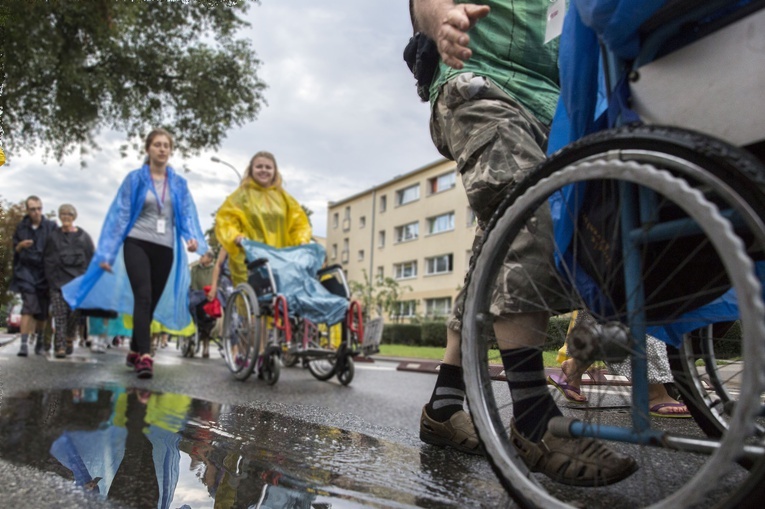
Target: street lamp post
217, 160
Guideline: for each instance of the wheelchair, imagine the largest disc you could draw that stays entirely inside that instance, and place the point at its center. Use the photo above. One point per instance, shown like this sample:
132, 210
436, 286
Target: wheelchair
657, 228
263, 321
205, 326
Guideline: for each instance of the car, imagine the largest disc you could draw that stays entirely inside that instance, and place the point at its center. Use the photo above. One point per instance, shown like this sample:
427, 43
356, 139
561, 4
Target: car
14, 319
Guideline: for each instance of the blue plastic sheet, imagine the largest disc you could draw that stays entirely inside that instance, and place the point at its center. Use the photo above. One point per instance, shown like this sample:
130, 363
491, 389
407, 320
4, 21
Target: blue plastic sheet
295, 270
583, 109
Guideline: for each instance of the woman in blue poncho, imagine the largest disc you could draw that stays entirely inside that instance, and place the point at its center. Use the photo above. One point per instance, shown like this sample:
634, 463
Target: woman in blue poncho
152, 213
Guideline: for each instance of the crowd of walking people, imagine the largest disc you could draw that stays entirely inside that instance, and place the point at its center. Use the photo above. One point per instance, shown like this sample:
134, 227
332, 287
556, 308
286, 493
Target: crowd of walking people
139, 268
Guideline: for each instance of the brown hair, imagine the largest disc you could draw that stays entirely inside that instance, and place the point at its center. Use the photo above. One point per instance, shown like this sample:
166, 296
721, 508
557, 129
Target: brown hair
32, 197
277, 180
159, 132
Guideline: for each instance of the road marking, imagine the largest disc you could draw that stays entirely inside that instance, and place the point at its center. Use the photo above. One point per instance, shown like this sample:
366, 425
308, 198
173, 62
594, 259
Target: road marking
377, 368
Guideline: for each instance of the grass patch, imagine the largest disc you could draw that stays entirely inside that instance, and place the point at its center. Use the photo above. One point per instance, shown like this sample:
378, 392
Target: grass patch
437, 353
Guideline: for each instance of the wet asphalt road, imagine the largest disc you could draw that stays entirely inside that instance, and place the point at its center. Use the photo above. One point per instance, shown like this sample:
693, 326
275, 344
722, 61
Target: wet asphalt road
301, 443
354, 446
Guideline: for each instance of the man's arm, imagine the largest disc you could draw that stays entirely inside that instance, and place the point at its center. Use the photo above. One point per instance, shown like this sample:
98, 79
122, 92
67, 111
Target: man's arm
447, 24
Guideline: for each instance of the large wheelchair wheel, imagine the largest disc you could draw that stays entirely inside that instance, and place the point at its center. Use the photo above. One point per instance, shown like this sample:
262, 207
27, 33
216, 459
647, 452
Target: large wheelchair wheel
242, 331
677, 274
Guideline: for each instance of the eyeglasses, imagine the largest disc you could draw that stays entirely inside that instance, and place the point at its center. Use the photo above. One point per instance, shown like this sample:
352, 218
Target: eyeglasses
34, 209
66, 214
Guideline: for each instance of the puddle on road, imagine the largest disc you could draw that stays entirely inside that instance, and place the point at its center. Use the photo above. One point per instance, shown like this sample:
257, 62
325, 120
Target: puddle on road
172, 451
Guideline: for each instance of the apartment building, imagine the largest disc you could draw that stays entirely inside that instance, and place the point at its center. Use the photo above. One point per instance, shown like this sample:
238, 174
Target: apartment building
416, 228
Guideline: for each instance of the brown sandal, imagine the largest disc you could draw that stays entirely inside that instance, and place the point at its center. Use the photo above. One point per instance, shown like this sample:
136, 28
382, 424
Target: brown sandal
573, 461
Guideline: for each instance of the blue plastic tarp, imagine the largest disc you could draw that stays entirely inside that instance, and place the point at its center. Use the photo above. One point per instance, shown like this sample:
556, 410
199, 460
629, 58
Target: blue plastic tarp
295, 270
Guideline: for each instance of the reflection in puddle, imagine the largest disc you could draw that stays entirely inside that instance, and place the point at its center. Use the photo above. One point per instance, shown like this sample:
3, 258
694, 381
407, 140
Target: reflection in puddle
171, 451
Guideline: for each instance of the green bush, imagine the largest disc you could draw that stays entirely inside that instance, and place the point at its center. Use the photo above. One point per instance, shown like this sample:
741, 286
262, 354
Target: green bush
556, 332
433, 334
401, 334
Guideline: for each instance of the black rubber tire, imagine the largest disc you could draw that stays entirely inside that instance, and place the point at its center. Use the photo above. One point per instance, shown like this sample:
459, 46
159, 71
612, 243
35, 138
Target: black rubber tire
250, 326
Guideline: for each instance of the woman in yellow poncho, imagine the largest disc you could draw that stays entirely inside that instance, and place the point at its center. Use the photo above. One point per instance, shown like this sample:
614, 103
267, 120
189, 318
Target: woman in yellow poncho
260, 209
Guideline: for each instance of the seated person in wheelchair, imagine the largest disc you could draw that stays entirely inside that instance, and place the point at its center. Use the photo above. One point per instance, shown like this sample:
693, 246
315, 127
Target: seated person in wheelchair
260, 209
201, 277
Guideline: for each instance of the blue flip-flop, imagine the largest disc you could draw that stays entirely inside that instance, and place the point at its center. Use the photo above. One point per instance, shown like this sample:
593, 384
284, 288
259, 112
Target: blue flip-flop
557, 381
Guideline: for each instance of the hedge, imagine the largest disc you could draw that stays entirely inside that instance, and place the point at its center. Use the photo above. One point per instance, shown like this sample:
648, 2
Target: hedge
434, 333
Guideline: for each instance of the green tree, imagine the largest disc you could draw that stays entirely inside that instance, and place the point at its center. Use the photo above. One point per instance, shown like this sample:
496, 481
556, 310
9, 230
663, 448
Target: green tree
10, 216
382, 295
73, 68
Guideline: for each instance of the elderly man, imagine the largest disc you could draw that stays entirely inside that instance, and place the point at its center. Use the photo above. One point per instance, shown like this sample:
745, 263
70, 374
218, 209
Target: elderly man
29, 272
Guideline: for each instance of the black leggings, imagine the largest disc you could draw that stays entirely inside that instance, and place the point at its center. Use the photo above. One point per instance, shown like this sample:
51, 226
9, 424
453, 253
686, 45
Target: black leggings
148, 266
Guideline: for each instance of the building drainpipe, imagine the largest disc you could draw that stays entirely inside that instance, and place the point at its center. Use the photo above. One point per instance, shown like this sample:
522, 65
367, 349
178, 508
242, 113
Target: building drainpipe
372, 237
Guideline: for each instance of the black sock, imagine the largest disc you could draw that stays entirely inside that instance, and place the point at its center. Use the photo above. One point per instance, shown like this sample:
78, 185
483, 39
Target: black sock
533, 406
448, 395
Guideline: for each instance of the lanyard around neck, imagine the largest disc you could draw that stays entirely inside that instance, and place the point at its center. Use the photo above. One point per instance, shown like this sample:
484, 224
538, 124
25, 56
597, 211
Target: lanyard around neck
160, 202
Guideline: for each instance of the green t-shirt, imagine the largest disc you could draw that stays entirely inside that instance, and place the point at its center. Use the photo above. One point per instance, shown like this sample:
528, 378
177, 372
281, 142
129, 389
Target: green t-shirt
508, 48
201, 276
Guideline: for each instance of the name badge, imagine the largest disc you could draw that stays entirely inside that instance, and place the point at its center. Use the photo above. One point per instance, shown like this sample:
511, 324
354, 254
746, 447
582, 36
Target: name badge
161, 224
555, 15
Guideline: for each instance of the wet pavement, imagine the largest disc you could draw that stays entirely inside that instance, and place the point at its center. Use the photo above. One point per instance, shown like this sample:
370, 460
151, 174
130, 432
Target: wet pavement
149, 449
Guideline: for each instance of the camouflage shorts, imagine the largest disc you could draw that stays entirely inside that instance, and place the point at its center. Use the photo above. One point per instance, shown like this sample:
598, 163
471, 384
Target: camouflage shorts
495, 143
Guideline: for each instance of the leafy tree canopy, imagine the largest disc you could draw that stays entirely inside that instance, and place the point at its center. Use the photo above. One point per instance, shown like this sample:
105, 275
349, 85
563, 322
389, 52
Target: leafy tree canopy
73, 68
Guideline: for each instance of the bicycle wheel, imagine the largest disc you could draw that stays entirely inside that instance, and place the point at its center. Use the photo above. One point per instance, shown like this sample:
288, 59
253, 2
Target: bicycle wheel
708, 245
242, 331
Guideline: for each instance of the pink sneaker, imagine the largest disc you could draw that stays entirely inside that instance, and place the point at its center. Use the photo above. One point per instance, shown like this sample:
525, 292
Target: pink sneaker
132, 358
144, 367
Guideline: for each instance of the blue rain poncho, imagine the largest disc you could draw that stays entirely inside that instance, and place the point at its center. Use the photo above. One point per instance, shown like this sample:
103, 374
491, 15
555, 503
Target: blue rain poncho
98, 289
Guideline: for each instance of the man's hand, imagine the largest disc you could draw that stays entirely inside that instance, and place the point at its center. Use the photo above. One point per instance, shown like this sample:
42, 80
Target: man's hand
449, 29
192, 245
105, 266
212, 293
24, 244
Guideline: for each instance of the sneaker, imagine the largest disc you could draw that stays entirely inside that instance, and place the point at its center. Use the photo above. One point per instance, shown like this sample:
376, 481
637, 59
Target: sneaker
573, 461
39, 345
241, 362
23, 350
60, 353
98, 346
132, 358
144, 367
458, 432
69, 350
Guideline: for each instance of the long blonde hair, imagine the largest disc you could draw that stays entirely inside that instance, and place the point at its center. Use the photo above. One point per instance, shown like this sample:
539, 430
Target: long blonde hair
276, 181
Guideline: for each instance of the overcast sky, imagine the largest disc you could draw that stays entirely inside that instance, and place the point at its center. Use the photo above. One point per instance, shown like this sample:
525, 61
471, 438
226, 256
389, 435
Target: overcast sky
342, 116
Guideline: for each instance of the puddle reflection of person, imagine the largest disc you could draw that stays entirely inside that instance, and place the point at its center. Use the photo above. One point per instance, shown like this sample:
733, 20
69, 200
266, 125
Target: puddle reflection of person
134, 456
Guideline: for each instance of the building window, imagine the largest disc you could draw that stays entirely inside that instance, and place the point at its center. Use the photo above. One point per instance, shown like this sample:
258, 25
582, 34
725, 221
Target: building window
408, 232
362, 221
406, 270
438, 307
471, 219
442, 182
442, 223
439, 264
380, 273
381, 238
383, 203
408, 194
347, 219
406, 309
361, 255
345, 253
334, 251
335, 220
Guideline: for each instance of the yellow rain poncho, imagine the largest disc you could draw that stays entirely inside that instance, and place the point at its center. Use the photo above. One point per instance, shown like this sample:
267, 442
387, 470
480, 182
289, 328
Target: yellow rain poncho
268, 215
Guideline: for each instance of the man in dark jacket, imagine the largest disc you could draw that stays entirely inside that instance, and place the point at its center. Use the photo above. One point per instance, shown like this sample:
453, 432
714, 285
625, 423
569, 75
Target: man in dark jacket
29, 272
